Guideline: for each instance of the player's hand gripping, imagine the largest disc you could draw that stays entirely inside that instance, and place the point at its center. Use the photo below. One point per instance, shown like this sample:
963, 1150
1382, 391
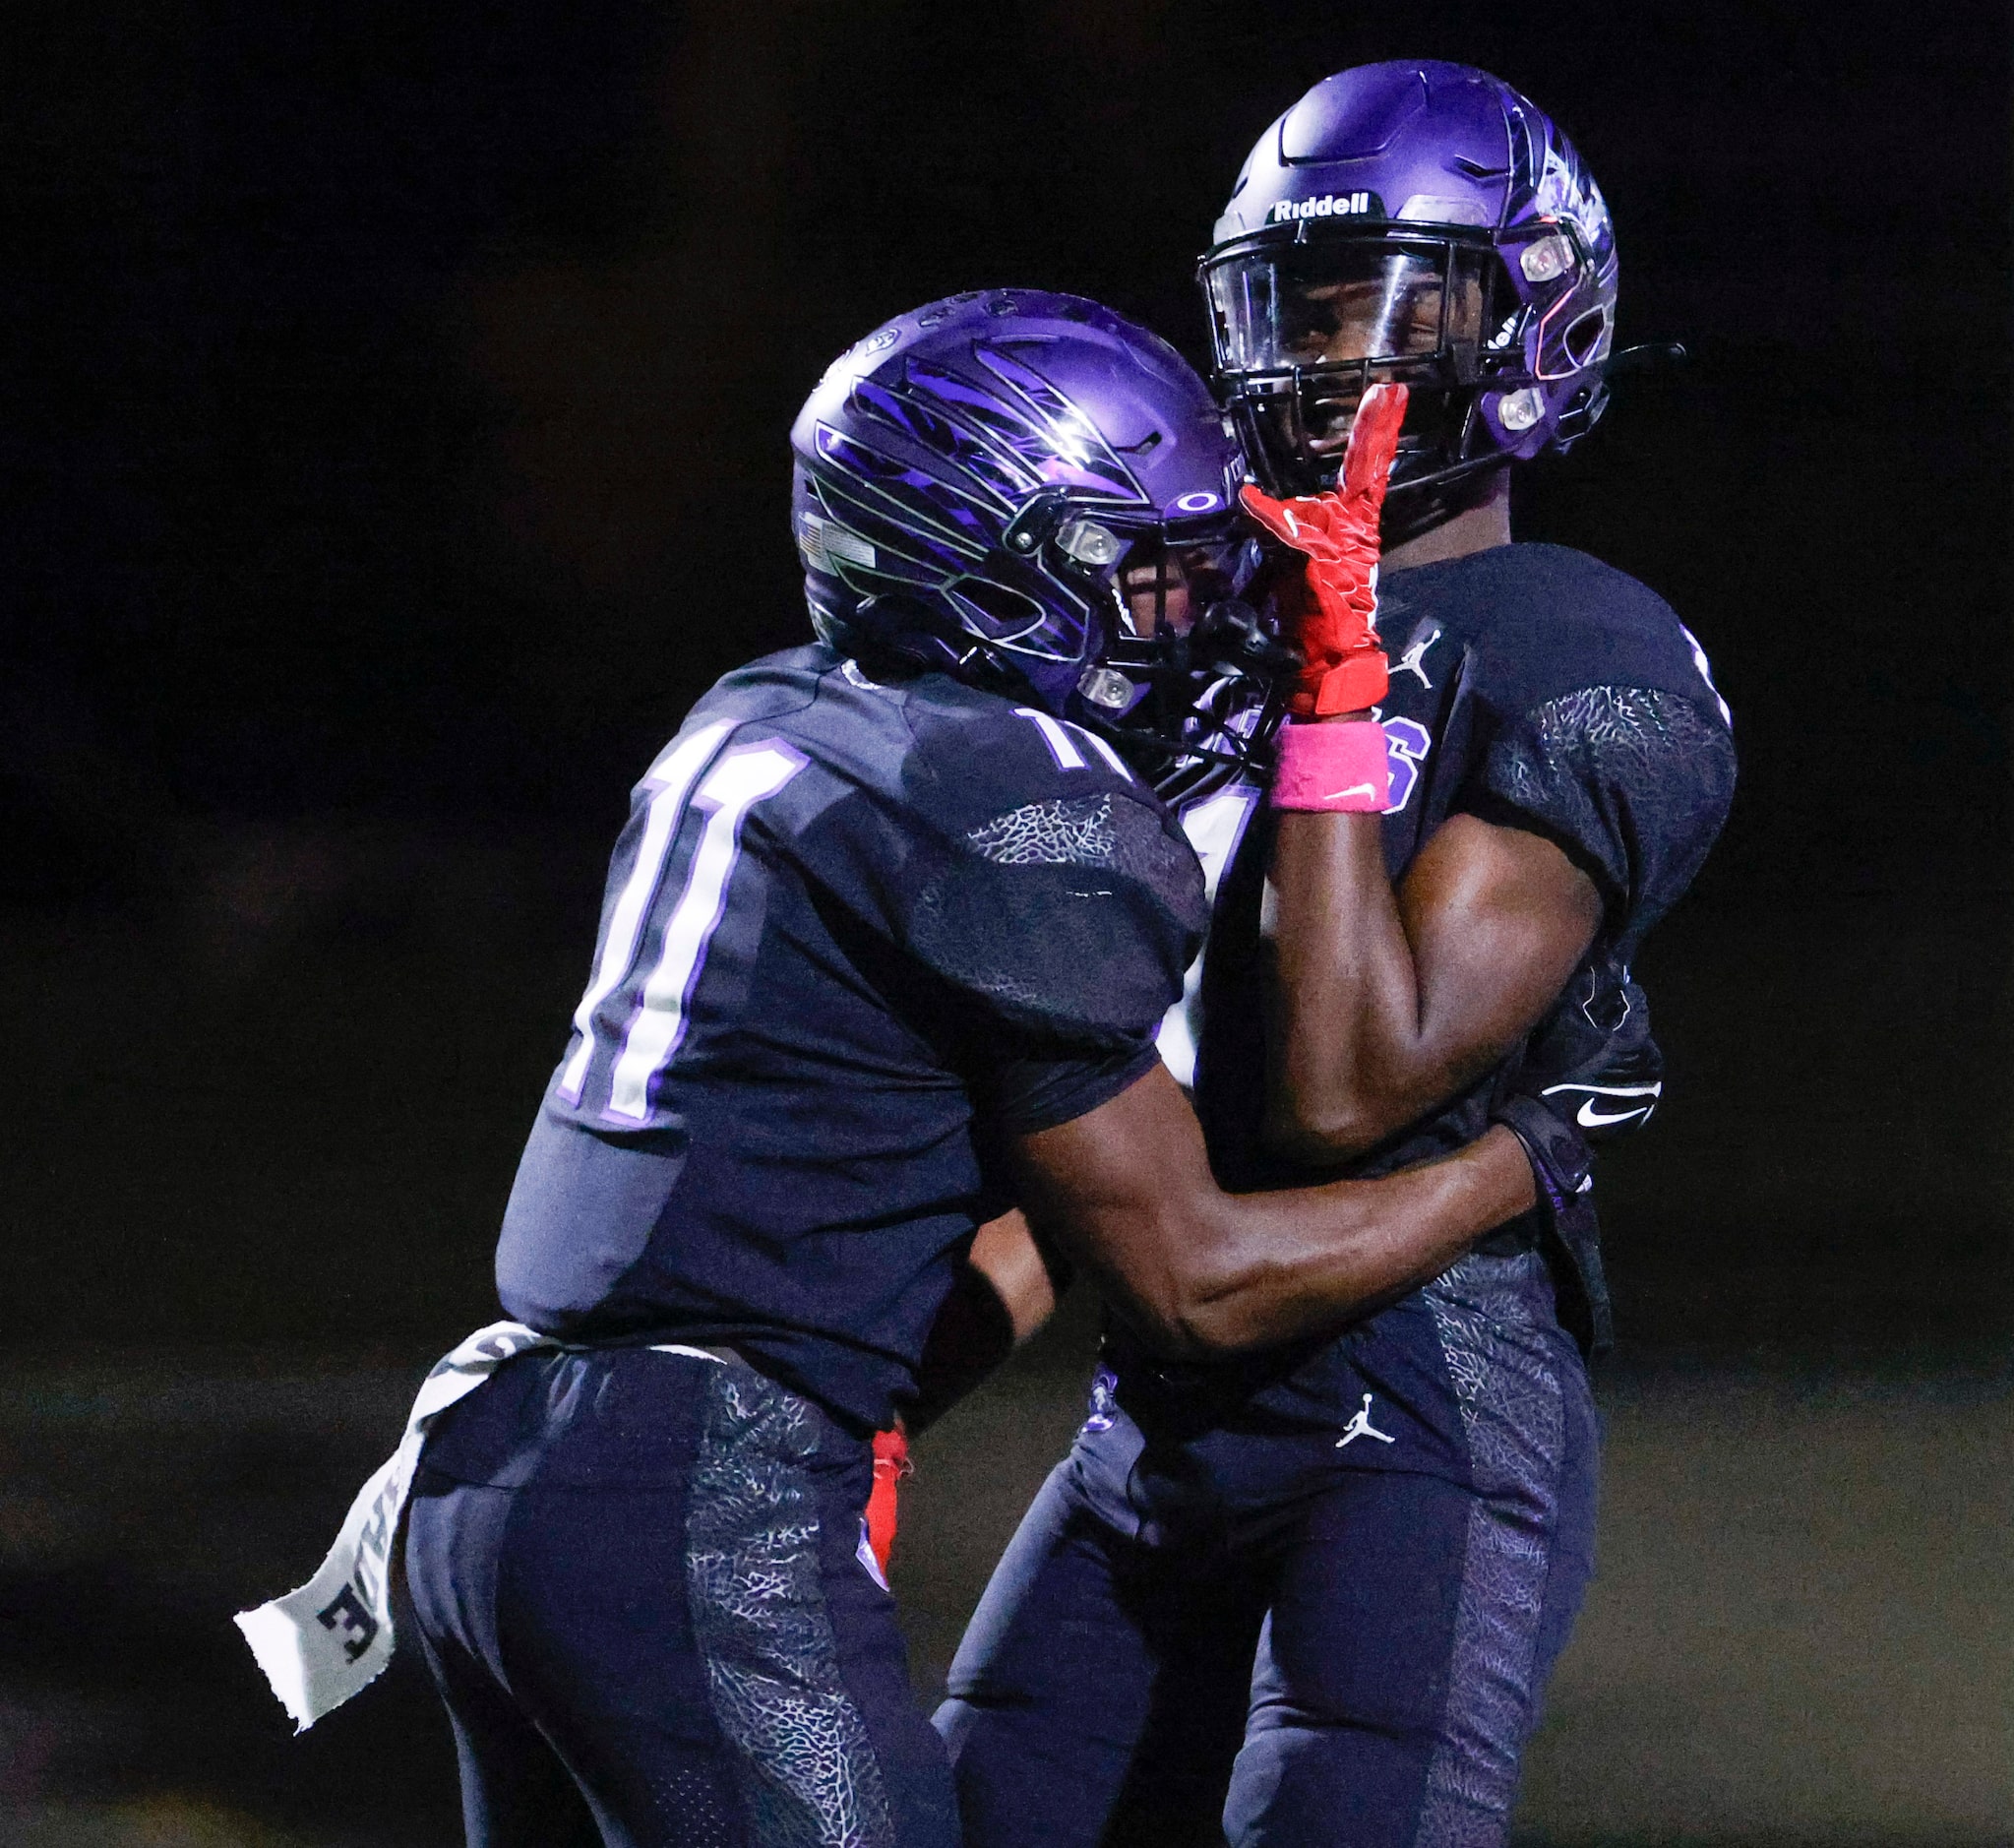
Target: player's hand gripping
1336, 627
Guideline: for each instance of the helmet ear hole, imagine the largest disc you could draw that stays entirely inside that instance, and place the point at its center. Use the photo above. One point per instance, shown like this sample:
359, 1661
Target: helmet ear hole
1007, 611
1584, 336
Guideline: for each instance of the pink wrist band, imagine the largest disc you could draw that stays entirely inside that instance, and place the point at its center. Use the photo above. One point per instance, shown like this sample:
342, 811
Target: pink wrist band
1334, 768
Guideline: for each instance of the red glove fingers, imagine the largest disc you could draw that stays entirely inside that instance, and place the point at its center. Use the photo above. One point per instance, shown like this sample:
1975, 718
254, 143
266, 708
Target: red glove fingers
1374, 441
890, 1464
1336, 627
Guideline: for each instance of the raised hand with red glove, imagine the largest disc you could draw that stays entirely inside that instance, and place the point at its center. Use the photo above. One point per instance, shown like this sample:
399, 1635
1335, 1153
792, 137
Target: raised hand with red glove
1337, 628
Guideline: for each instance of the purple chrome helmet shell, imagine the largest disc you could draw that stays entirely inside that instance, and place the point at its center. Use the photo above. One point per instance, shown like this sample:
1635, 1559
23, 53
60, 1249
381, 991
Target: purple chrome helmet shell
942, 462
1404, 154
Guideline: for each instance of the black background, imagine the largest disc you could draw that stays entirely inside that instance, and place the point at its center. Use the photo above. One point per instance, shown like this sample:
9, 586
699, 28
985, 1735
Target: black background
396, 402
398, 394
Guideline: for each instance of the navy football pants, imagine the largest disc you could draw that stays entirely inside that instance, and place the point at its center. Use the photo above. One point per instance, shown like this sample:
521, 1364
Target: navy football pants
1274, 1628
637, 1583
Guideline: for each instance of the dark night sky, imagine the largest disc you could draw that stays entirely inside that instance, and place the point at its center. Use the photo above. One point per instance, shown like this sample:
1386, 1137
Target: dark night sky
397, 395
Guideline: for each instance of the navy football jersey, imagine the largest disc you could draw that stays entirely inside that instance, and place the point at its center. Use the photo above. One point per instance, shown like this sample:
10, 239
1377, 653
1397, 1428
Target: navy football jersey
852, 935
1531, 686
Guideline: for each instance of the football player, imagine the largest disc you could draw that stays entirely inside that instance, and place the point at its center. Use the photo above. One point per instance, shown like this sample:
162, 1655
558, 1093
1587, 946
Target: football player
1318, 1592
886, 943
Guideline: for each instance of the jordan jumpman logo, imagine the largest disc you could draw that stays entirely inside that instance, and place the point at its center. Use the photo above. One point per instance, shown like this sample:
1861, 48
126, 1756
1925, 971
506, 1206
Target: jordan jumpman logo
1414, 654
1361, 1427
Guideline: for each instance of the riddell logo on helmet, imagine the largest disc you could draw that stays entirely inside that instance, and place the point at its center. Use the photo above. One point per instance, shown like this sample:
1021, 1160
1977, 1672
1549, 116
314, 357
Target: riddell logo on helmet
1329, 206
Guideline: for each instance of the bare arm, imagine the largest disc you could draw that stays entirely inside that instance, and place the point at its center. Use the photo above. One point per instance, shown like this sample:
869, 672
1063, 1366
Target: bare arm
1126, 1190
1018, 1272
1005, 1291
1386, 1002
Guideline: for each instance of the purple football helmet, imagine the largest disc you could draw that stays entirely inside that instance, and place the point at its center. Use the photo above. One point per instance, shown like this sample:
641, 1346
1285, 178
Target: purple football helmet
1419, 222
976, 481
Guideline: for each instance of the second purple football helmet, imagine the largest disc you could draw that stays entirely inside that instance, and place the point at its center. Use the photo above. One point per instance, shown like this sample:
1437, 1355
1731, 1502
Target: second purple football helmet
979, 480
1424, 222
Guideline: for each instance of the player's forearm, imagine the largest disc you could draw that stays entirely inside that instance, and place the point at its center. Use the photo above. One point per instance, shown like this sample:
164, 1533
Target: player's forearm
1127, 1191
1282, 1265
1352, 1054
1004, 1292
1025, 1278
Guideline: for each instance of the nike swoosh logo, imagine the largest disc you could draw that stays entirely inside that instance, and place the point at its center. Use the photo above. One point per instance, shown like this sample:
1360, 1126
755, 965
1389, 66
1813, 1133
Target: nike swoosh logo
1355, 789
1589, 1118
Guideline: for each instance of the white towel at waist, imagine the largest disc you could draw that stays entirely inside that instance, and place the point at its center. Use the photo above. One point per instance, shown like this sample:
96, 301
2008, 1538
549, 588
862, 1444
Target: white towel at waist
322, 1643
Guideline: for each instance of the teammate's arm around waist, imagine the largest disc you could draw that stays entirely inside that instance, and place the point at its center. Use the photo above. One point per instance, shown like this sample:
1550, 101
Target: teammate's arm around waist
1388, 1002
1125, 1192
1004, 1290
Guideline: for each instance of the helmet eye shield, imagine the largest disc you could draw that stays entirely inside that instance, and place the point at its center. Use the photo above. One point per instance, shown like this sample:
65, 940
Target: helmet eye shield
1164, 586
1292, 306
1148, 569
1305, 322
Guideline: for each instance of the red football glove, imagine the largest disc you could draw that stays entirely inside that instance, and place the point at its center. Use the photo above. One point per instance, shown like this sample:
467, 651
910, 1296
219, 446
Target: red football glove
1336, 627
890, 1464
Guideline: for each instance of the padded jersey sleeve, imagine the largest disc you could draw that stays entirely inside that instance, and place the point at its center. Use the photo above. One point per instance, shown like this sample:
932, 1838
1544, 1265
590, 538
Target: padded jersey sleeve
1633, 782
1056, 896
